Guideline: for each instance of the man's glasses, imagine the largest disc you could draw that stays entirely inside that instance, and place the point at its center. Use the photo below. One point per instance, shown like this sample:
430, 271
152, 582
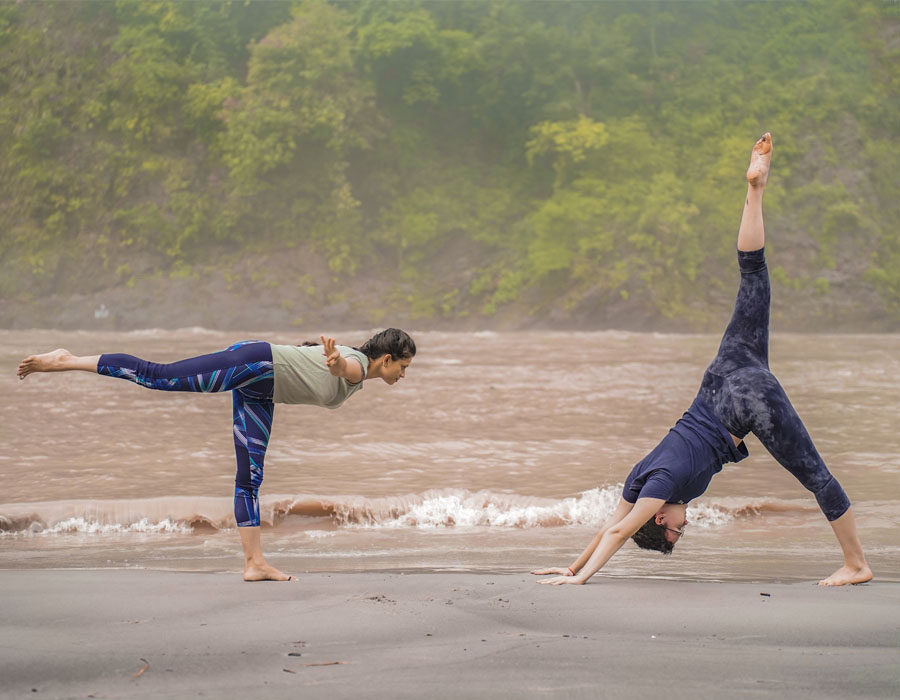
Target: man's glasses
680, 532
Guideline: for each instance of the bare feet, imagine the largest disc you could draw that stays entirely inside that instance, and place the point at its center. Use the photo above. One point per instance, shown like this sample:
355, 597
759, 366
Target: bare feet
848, 575
55, 361
264, 572
758, 172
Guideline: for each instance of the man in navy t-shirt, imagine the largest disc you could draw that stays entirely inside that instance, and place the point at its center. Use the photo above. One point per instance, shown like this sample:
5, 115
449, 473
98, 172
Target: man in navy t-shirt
738, 395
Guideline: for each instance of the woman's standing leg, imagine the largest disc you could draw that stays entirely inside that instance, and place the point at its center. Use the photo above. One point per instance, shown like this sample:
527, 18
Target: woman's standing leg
253, 413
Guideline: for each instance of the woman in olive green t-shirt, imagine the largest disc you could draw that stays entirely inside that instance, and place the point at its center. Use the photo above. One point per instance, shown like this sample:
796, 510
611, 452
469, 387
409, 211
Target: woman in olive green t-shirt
259, 375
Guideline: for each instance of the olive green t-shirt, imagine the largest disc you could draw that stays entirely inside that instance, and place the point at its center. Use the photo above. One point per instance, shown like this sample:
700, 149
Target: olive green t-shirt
301, 375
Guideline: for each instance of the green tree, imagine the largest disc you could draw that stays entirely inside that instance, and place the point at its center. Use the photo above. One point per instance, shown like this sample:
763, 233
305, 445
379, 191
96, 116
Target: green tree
291, 129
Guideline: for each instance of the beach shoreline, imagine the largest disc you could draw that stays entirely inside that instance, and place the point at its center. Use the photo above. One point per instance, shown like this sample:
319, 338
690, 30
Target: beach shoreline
146, 633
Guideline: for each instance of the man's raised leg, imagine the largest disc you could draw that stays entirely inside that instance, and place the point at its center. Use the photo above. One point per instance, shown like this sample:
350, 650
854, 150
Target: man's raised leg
752, 234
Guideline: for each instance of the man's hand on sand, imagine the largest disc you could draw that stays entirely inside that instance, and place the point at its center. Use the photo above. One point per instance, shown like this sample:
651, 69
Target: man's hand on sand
561, 580
558, 570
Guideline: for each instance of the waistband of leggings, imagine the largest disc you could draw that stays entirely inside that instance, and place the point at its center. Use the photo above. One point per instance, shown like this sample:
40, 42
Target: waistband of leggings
752, 260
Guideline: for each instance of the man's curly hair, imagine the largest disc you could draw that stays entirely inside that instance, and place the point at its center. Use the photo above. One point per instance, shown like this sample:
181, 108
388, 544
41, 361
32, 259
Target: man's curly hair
653, 536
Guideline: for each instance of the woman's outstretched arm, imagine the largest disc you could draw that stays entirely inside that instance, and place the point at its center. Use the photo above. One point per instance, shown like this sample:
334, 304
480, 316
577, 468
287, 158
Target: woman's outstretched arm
611, 540
622, 509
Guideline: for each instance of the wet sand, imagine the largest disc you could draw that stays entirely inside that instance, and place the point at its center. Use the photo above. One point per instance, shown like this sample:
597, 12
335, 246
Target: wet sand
149, 634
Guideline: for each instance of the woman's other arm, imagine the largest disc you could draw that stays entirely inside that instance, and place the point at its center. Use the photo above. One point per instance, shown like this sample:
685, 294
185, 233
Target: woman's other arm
338, 365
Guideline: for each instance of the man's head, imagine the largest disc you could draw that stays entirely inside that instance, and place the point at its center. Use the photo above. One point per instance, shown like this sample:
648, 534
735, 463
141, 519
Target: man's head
663, 530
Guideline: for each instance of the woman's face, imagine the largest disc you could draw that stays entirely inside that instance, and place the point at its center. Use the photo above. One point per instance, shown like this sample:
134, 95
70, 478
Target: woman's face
394, 370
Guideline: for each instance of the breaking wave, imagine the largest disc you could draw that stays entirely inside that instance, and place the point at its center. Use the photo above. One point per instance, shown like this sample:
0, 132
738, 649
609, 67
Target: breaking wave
447, 508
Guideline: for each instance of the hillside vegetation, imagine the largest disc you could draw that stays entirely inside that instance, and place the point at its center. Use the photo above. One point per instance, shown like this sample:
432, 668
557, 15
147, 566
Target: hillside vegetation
470, 163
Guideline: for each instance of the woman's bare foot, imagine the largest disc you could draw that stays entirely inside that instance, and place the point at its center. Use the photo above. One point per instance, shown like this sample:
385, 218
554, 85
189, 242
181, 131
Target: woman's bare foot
264, 572
758, 172
55, 361
256, 568
847, 575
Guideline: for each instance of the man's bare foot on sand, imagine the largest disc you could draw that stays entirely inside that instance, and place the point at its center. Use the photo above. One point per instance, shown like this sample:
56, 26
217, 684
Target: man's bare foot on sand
758, 172
59, 360
848, 575
264, 572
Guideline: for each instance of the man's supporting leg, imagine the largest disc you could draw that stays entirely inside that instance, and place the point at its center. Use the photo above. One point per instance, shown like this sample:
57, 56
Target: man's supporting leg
768, 413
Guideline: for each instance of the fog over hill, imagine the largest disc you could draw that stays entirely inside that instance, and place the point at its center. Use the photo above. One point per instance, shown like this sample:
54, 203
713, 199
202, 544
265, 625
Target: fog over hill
449, 164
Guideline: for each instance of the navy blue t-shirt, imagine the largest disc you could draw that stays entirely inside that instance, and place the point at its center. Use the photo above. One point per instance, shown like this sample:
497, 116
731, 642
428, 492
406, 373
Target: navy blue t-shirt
681, 466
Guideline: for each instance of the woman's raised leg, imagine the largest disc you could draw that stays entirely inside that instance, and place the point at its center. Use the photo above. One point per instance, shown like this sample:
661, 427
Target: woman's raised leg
59, 360
238, 366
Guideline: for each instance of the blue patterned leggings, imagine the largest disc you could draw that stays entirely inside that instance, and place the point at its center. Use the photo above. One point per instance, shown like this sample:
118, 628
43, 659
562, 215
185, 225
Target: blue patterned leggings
747, 397
244, 369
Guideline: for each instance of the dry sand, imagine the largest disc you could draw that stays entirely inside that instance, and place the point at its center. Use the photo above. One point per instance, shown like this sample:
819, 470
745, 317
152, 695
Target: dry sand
79, 634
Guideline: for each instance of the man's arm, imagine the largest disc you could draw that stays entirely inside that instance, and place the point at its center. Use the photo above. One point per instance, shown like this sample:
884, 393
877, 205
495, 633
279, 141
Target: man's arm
622, 509
612, 540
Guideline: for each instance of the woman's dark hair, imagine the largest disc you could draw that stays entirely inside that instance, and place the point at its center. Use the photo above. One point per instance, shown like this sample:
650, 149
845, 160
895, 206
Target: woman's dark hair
653, 536
391, 341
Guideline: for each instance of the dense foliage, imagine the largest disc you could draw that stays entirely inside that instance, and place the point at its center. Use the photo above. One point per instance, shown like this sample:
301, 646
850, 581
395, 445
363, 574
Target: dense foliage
477, 154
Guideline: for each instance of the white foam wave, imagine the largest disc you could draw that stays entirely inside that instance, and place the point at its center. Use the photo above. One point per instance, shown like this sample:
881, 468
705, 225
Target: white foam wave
707, 515
447, 508
485, 509
176, 514
93, 527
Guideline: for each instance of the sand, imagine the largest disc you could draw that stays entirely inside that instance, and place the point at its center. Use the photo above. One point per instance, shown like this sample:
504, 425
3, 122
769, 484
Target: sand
152, 634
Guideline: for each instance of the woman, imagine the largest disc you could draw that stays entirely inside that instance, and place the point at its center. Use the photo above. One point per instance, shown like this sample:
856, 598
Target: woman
738, 395
259, 375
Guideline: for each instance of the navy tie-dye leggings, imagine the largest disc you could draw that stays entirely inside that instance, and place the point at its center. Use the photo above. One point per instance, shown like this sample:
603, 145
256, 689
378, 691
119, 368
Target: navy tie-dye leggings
747, 397
244, 369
